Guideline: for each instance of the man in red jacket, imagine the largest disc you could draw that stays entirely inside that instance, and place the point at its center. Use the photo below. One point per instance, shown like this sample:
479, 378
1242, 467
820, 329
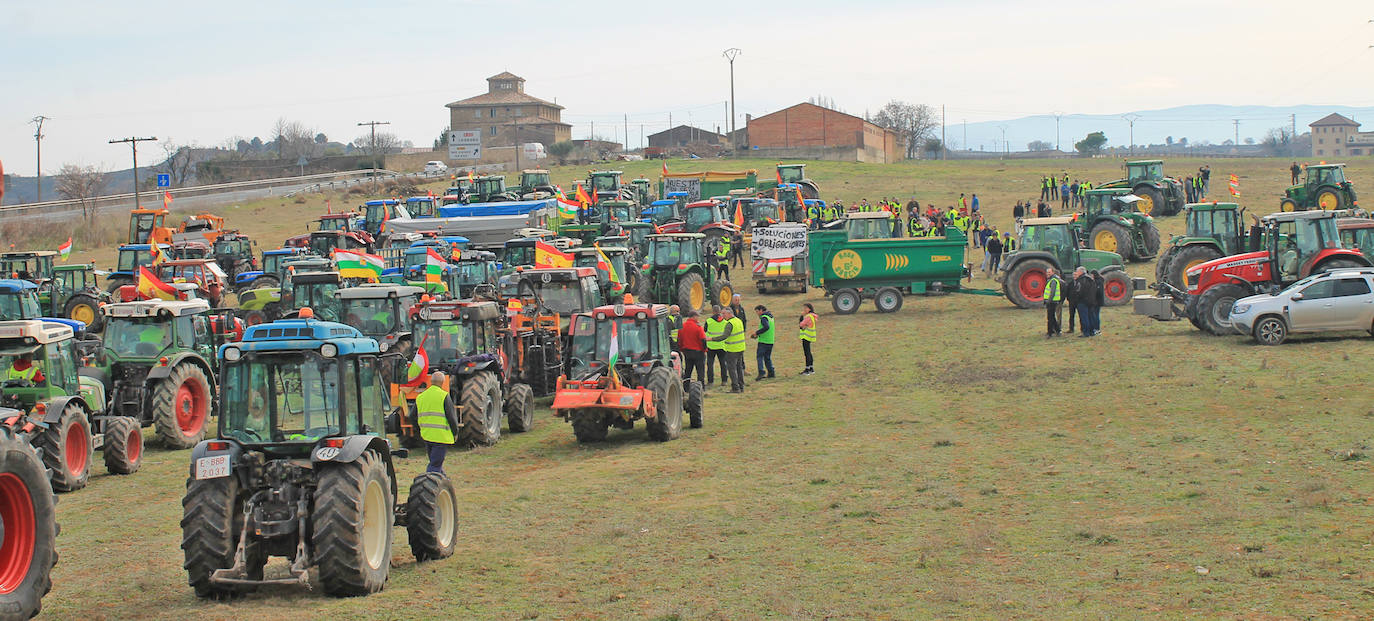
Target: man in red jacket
691, 340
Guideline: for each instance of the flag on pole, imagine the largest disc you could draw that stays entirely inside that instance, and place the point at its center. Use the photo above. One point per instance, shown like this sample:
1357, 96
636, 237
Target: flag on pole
155, 253
1235, 186
582, 196
353, 264
65, 249
665, 168
739, 216
614, 354
418, 370
514, 306
434, 267
545, 255
603, 262
152, 287
470, 177
779, 173
166, 199
567, 210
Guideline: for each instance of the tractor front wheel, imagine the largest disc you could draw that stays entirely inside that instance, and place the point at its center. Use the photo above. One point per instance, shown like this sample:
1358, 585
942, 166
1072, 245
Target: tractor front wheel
28, 545
67, 449
722, 292
86, 309
181, 407
694, 402
1026, 282
691, 293
1288, 204
432, 516
1213, 309
123, 445
667, 390
481, 403
1116, 288
352, 522
1111, 237
845, 301
519, 408
1185, 259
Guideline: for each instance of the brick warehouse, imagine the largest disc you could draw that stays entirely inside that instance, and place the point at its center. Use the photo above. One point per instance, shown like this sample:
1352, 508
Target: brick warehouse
808, 130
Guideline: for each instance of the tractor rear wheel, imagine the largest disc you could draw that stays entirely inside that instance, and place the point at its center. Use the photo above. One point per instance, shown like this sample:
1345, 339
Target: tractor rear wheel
589, 427
1214, 308
211, 524
68, 449
432, 516
1116, 288
1151, 201
1111, 237
265, 282
888, 300
845, 301
519, 408
1336, 264
1288, 204
123, 445
181, 406
1150, 233
1328, 199
694, 402
1162, 264
1026, 282
112, 285
1270, 330
1186, 258
481, 403
352, 522
722, 292
667, 421
28, 546
86, 309
691, 293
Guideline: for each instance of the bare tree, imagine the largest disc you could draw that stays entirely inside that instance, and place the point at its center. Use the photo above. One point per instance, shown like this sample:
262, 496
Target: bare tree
912, 122
294, 139
1039, 145
179, 162
1276, 140
82, 184
386, 143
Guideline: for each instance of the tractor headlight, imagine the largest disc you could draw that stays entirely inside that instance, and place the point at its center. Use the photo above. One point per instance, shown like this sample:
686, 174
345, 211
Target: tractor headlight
329, 350
232, 354
1240, 309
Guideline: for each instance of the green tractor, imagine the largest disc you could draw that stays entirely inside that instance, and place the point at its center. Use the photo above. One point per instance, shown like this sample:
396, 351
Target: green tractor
1214, 230
489, 189
157, 364
791, 174
1324, 186
623, 276
314, 290
46, 400
472, 273
233, 252
536, 185
1109, 220
1159, 195
68, 291
301, 468
604, 219
1051, 243
268, 296
606, 185
643, 191
381, 312
678, 272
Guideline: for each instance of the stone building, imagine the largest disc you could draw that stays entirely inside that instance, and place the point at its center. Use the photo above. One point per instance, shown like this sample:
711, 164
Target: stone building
506, 115
810, 131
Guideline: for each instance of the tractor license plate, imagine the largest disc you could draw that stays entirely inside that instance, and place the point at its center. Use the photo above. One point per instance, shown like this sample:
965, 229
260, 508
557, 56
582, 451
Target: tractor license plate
212, 467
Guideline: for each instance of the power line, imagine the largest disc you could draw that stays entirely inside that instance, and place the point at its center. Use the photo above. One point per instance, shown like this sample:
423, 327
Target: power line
133, 147
38, 143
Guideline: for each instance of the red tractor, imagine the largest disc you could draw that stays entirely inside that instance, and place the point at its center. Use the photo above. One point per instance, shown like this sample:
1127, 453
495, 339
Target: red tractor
1295, 245
706, 217
334, 230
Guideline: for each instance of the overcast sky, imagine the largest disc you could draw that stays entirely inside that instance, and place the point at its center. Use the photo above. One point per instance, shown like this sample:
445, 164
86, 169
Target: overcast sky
200, 72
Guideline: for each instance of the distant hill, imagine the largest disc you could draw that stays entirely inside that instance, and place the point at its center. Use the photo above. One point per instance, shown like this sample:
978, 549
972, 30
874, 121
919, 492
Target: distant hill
1197, 123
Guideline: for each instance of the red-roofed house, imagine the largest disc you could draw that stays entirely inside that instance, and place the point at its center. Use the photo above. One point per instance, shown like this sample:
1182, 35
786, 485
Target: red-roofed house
504, 110
1332, 134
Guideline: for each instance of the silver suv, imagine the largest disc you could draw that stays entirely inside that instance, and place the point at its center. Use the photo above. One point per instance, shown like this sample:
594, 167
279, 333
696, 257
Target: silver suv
1332, 301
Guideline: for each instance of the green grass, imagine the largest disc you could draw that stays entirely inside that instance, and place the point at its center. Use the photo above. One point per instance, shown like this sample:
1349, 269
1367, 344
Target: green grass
945, 461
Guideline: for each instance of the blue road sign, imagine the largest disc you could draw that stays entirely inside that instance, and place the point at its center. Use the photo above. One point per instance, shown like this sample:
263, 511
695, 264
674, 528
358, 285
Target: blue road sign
164, 180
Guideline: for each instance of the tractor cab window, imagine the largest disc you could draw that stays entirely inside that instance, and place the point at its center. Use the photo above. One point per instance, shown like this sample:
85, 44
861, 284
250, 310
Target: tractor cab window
140, 337
1361, 240
520, 255
281, 398
621, 214
372, 396
141, 227
271, 263
633, 338
372, 316
202, 327
1055, 239
1202, 222
59, 368
666, 253
583, 331
446, 340
604, 183
591, 293
18, 306
334, 224
790, 175
129, 260
318, 296
698, 217
471, 272
563, 296
185, 331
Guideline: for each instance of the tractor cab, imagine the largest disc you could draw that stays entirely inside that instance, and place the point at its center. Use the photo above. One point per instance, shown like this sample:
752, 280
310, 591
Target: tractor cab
316, 290
471, 269
324, 243
149, 226
613, 274
1144, 170
337, 222
671, 251
605, 184
702, 214
1218, 221
642, 189
416, 263
867, 225
209, 279
234, 253
1324, 174
380, 311
459, 190
667, 209
38, 363
454, 331
1055, 237
536, 184
1109, 202
148, 331
792, 201
489, 189
639, 333
33, 266
792, 173
375, 212
1296, 240
1357, 234
561, 290
421, 207
18, 300
129, 259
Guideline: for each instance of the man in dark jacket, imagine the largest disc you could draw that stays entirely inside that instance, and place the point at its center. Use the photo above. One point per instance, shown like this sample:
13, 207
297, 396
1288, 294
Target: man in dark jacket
1071, 297
1098, 300
994, 247
737, 307
1085, 292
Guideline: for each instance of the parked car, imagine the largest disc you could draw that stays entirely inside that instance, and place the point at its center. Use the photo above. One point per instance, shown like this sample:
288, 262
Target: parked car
1333, 301
435, 167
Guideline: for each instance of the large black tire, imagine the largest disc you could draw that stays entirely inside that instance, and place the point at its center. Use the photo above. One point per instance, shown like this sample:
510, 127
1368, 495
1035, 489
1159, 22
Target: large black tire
1111, 237
888, 300
1116, 288
846, 301
1186, 257
1162, 263
722, 293
1288, 204
432, 516
85, 308
1025, 283
590, 427
1151, 201
211, 524
692, 286
1213, 309
182, 406
481, 404
1336, 264
123, 445
27, 513
113, 284
68, 449
667, 422
352, 521
694, 401
1150, 232
1270, 330
519, 408
635, 281
1328, 198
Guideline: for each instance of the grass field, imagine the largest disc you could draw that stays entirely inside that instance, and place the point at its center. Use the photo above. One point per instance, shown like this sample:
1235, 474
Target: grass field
945, 461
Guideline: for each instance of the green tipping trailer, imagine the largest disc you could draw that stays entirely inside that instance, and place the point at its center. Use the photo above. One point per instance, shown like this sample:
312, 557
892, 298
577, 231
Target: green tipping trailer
861, 261
705, 184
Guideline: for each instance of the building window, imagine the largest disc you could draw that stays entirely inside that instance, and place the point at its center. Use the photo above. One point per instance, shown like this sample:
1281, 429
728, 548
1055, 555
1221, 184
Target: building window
1355, 151
493, 113
493, 130
478, 113
1321, 141
1336, 152
517, 112
1319, 152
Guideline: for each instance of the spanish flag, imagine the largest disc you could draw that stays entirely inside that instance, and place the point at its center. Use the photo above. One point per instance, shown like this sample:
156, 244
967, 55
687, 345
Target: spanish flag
152, 287
155, 253
582, 196
167, 200
739, 216
545, 255
665, 168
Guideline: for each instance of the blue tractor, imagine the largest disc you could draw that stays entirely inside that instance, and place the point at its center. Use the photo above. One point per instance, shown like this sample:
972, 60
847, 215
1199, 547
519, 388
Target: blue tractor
301, 468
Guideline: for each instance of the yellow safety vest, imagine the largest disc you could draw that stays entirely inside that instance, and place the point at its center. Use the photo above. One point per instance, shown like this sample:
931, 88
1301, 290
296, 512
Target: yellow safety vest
714, 328
809, 334
735, 342
674, 321
25, 375
433, 423
1052, 293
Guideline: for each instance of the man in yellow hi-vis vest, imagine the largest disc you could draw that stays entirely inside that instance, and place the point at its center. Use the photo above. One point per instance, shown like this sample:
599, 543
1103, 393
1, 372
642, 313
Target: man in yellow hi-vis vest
437, 420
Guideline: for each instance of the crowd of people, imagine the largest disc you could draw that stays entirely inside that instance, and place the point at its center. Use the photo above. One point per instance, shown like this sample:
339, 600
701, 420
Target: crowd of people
1083, 295
718, 341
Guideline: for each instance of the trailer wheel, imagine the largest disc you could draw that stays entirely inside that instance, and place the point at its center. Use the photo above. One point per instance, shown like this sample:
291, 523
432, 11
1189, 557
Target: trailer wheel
181, 406
667, 421
845, 301
694, 401
1026, 282
211, 524
28, 548
68, 449
888, 300
519, 408
1214, 308
1116, 288
589, 427
481, 403
123, 445
352, 522
432, 516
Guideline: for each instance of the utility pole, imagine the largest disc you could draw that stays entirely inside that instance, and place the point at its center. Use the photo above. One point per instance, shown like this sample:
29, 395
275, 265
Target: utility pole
1005, 150
730, 55
944, 149
1292, 135
626, 146
373, 125
1236, 142
517, 145
965, 143
38, 142
1131, 118
133, 146
1057, 116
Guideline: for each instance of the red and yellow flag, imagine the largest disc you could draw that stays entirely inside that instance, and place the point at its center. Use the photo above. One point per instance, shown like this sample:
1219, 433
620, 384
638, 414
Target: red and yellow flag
152, 287
582, 196
545, 255
739, 215
665, 168
166, 200
155, 253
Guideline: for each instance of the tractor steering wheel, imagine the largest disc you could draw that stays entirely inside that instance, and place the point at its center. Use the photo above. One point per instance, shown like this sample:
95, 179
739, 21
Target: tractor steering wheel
17, 383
